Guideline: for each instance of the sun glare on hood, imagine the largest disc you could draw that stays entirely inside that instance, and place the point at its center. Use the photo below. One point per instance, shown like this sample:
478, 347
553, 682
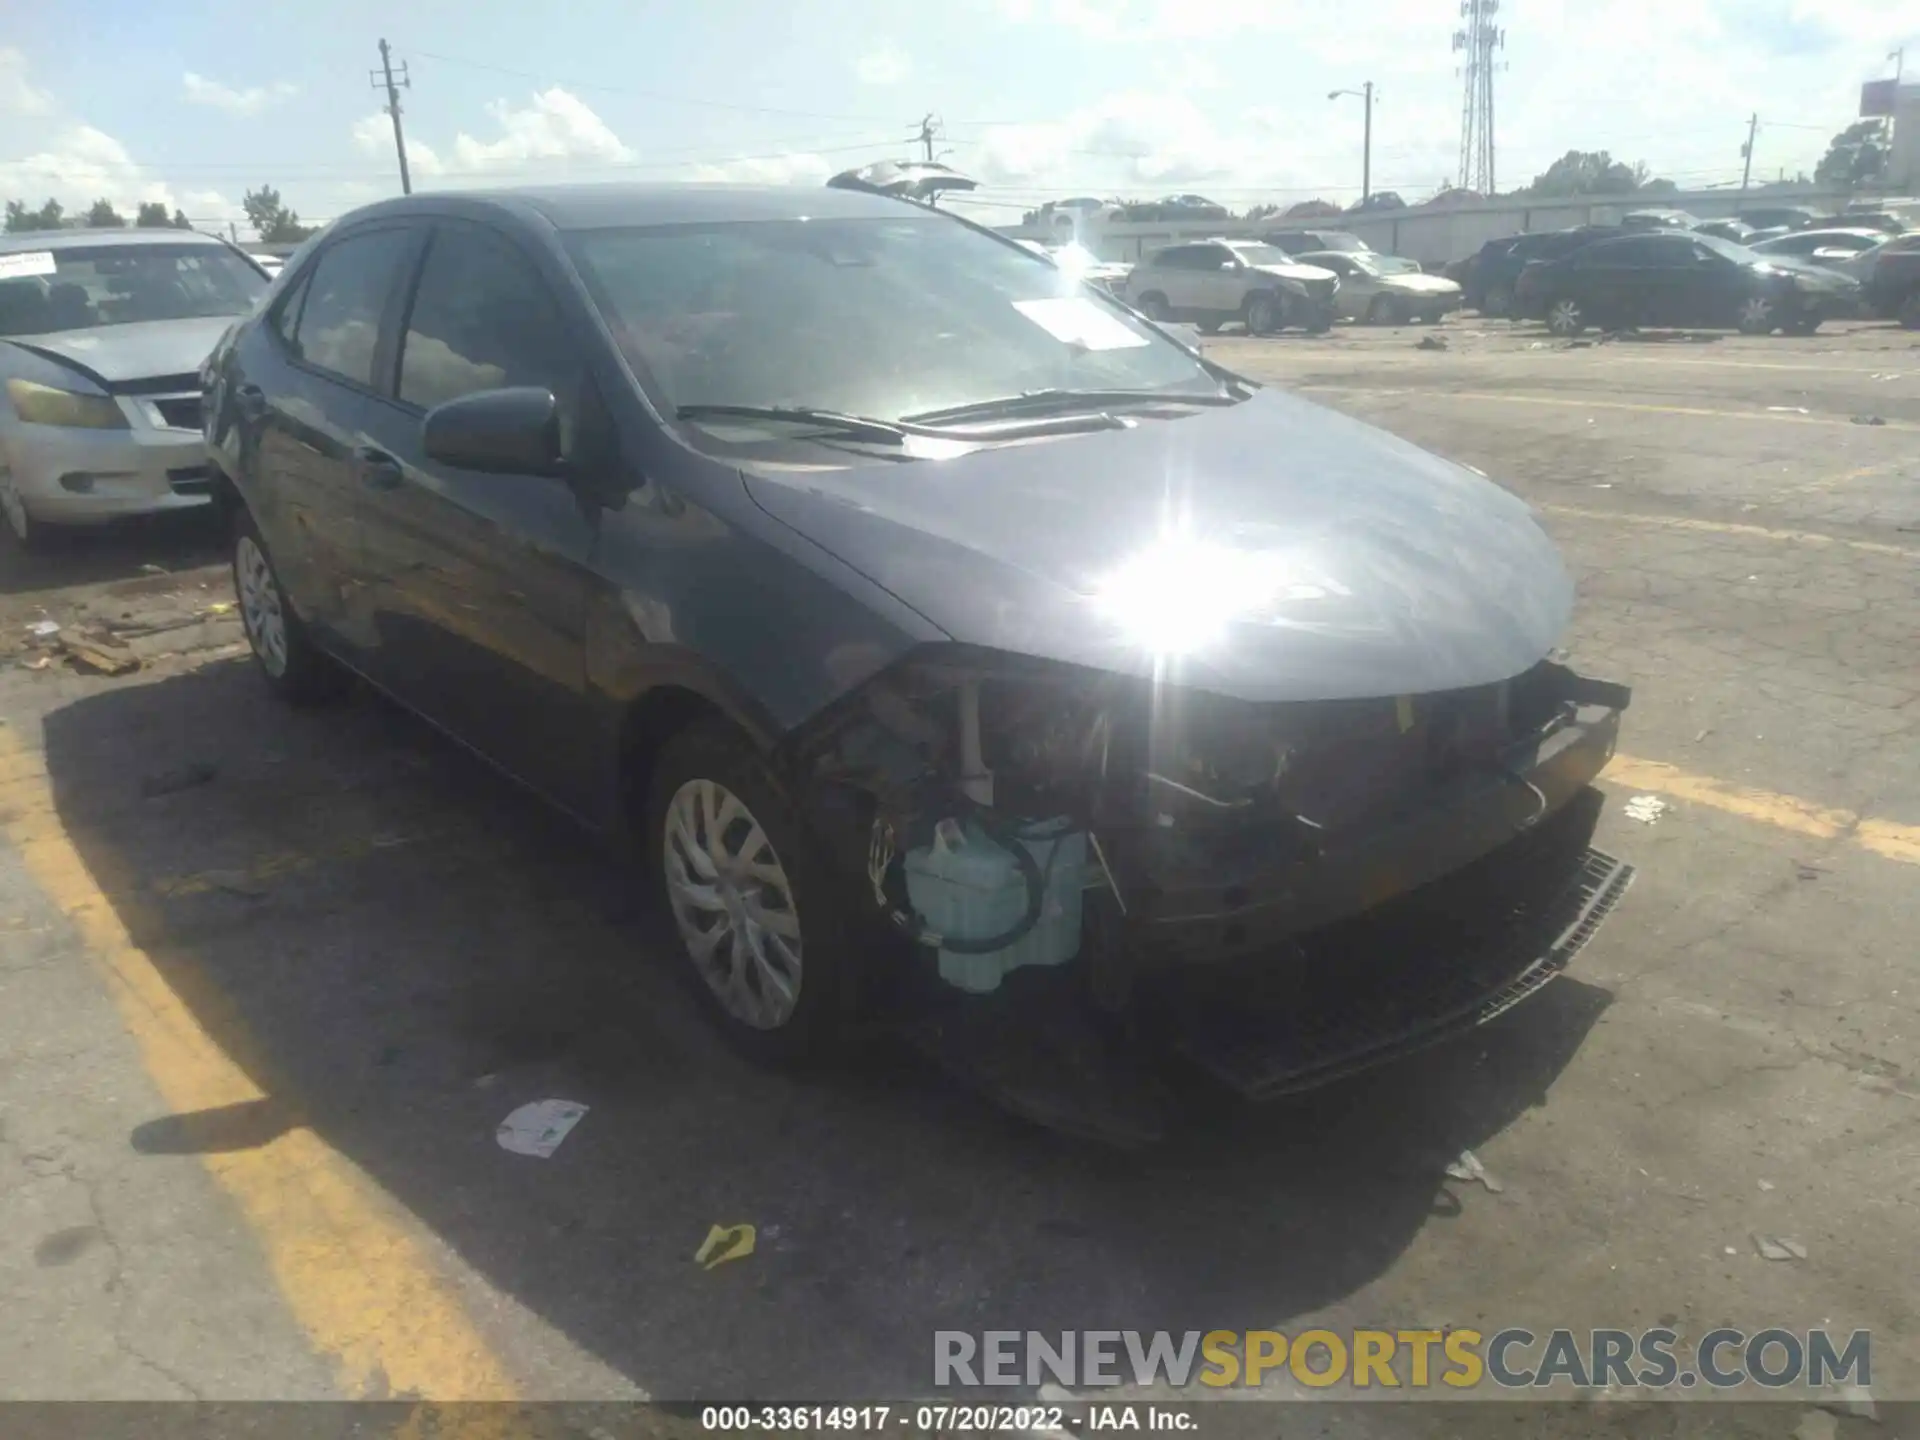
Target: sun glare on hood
1180, 593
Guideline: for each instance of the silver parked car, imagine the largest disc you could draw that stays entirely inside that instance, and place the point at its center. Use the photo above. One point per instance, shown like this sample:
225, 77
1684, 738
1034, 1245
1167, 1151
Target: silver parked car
1385, 289
102, 336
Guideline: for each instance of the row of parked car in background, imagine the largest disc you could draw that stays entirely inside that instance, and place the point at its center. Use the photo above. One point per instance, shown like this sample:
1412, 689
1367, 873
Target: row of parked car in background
1782, 268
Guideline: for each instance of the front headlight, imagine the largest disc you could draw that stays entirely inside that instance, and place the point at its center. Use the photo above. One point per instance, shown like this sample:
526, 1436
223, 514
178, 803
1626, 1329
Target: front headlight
70, 409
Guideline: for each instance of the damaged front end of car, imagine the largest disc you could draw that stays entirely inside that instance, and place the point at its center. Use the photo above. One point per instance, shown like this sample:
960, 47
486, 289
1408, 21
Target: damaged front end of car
1085, 874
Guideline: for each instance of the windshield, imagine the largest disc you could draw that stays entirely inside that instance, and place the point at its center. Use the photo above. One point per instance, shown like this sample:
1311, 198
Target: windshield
1263, 254
1387, 264
86, 289
884, 318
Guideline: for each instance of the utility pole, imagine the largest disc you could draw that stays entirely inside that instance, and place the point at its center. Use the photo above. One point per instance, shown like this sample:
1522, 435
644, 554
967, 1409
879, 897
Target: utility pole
1746, 151
383, 78
927, 136
1365, 94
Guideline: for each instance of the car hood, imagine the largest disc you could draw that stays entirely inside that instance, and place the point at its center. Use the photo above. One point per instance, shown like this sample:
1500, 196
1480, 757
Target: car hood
1274, 550
1806, 270
115, 354
1420, 284
1297, 272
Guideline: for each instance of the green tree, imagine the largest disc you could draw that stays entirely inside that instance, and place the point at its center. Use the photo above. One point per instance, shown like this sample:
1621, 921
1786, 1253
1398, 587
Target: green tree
1587, 172
1857, 156
102, 216
271, 219
152, 215
49, 216
180, 221
1312, 210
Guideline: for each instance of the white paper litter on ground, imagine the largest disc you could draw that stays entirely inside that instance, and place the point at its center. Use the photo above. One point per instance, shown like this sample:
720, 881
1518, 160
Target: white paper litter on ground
537, 1129
1646, 808
1469, 1168
1075, 320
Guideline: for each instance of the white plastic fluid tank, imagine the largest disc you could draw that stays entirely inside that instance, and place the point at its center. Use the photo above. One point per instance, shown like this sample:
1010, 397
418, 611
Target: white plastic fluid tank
967, 886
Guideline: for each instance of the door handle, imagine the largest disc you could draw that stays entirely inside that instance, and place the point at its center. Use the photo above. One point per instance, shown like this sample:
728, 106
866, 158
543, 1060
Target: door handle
378, 470
251, 401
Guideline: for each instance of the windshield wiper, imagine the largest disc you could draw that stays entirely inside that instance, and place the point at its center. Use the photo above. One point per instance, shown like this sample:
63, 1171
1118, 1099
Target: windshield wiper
862, 427
1040, 402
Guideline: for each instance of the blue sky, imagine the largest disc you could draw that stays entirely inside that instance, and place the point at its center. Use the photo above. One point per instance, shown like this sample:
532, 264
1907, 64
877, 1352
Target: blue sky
193, 105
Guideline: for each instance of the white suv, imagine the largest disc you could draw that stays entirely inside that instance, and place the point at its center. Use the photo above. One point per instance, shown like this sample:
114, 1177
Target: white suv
1214, 282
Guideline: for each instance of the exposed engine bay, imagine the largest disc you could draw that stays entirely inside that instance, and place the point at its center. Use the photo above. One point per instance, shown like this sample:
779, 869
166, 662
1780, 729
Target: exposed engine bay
1030, 829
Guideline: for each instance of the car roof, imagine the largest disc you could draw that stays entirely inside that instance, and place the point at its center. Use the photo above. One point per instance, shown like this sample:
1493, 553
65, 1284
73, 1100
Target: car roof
93, 239
598, 207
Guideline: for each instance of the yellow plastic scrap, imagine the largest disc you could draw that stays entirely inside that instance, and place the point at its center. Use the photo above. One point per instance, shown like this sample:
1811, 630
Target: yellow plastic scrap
1403, 712
724, 1243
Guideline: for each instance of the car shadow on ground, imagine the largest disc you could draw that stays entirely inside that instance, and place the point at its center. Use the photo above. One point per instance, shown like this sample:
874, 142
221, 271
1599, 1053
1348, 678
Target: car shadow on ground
401, 949
97, 555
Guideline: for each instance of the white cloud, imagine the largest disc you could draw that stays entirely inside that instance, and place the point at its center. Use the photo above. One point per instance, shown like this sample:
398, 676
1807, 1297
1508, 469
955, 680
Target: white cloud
800, 168
887, 65
18, 95
556, 128
1194, 109
250, 101
82, 164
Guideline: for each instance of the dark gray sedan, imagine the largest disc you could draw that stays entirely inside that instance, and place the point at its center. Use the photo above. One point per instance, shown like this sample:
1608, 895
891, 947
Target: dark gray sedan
960, 652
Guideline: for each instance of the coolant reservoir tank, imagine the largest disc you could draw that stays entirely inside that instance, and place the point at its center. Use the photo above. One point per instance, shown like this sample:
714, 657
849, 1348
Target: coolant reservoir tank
967, 886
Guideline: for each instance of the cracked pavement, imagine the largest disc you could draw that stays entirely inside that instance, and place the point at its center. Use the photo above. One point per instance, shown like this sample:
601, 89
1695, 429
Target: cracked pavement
398, 950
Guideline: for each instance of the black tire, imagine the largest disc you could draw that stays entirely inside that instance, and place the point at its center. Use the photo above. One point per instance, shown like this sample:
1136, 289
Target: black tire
1908, 313
1566, 318
1153, 305
816, 899
1265, 313
30, 536
1385, 310
297, 670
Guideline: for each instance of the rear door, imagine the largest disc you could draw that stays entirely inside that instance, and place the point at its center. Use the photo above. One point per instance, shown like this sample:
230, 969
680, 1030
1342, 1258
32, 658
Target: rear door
307, 389
1175, 275
479, 581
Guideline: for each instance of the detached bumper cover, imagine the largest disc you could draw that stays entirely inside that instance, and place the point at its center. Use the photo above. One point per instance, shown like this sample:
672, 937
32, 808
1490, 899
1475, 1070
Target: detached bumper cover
1433, 964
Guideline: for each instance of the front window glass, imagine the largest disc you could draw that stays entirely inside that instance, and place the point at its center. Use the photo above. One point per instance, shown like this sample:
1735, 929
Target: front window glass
883, 318
96, 286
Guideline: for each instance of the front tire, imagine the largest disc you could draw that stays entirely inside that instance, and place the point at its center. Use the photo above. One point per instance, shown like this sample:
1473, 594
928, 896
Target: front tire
29, 535
1757, 316
758, 915
1266, 314
1153, 305
1385, 310
296, 670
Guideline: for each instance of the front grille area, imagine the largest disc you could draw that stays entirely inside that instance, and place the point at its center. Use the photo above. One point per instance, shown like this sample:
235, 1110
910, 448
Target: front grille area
182, 412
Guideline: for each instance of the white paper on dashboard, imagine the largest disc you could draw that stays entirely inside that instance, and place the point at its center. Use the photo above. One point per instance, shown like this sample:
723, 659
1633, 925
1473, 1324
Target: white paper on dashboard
1074, 320
28, 262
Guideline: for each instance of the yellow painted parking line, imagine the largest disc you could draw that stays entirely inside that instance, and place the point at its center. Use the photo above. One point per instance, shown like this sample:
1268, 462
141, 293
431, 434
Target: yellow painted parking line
1728, 527
1574, 402
365, 1291
1886, 838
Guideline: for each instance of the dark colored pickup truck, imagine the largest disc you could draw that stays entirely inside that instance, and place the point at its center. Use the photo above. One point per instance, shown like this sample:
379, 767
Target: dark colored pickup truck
1893, 290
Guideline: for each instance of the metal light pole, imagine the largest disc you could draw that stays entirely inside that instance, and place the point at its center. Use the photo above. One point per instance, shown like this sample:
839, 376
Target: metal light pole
1365, 93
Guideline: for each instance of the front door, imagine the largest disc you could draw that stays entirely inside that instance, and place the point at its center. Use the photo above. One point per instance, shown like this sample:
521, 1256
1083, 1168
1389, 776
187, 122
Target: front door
479, 582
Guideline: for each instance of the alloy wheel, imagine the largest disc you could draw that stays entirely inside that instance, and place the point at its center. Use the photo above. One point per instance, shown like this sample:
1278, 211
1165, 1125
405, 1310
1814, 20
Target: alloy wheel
1756, 314
261, 611
733, 905
1566, 318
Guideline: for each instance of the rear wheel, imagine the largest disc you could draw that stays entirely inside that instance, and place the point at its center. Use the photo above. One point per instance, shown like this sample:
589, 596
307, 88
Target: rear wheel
1266, 314
1565, 317
296, 669
1385, 310
1756, 316
1153, 305
759, 917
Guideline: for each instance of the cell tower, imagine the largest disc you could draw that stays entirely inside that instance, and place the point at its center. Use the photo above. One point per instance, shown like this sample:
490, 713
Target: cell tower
1477, 39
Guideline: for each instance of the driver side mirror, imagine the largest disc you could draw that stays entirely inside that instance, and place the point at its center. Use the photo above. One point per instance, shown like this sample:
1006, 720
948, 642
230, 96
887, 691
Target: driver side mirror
513, 431
1230, 264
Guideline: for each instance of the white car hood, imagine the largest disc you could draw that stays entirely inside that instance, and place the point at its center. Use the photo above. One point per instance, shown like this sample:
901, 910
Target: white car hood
1421, 284
1297, 272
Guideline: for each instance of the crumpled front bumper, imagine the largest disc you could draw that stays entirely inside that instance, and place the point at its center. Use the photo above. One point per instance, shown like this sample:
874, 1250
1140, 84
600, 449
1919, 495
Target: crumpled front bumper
1253, 901
79, 477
